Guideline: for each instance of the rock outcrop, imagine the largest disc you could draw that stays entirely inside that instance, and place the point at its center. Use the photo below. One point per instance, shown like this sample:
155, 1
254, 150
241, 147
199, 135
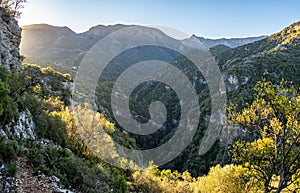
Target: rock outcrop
10, 38
23, 128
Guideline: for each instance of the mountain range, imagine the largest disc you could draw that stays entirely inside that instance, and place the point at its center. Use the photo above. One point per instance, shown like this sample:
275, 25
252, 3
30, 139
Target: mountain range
64, 49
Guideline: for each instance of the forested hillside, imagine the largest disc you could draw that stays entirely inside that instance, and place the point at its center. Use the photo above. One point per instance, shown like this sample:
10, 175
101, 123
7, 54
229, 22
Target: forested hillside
51, 143
273, 59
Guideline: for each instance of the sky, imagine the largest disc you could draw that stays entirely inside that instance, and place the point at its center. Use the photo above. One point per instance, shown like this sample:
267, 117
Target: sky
206, 18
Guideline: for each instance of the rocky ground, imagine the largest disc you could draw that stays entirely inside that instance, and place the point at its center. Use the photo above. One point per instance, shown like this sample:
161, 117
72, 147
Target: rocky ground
26, 182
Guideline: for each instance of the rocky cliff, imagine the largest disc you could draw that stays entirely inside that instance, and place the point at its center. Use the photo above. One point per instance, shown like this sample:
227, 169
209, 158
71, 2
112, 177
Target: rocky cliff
18, 135
10, 38
22, 127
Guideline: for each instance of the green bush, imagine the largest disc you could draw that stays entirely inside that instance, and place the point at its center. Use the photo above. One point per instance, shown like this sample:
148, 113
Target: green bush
72, 171
118, 182
9, 149
12, 169
36, 157
51, 127
9, 95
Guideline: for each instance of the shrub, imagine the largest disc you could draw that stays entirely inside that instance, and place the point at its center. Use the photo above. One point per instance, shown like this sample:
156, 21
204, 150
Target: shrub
12, 169
9, 149
9, 94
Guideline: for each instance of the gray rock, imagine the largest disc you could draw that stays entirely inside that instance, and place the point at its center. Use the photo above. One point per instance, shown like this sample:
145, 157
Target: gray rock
10, 37
23, 128
55, 179
63, 191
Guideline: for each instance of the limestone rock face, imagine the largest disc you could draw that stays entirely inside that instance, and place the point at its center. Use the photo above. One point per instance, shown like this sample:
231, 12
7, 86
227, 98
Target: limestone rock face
22, 128
10, 37
232, 83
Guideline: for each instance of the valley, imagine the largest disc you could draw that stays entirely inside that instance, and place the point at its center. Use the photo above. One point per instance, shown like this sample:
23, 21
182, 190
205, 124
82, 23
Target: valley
126, 108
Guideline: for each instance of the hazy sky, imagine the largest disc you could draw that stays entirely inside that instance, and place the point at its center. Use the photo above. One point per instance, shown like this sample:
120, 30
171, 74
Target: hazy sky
208, 18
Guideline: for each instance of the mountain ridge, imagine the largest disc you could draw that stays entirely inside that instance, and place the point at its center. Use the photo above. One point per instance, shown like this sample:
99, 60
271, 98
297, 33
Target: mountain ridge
65, 48
230, 42
119, 25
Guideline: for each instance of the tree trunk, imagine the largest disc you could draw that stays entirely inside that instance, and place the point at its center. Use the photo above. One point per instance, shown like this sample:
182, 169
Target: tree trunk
280, 185
266, 189
266, 186
278, 190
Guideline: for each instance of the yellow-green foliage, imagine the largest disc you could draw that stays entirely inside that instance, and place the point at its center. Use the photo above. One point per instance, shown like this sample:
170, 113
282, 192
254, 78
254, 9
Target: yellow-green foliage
46, 82
94, 130
227, 179
48, 71
91, 128
274, 117
288, 34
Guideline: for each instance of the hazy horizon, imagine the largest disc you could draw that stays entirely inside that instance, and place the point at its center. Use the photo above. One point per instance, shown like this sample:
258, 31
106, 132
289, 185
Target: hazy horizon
218, 19
177, 34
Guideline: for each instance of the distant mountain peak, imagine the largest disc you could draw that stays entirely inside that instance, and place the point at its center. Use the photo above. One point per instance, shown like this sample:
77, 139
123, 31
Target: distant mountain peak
47, 27
230, 42
107, 26
103, 30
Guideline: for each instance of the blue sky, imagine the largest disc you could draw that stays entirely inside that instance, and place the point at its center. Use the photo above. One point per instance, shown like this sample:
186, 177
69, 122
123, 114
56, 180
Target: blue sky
207, 18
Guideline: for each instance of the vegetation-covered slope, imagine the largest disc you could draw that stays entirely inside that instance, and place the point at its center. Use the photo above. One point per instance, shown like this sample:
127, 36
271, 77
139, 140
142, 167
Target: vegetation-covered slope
269, 163
273, 58
242, 67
